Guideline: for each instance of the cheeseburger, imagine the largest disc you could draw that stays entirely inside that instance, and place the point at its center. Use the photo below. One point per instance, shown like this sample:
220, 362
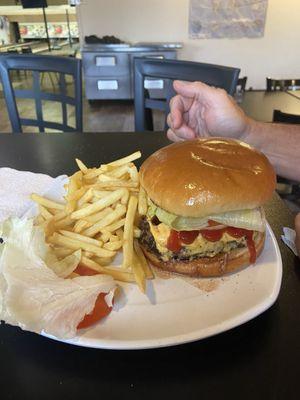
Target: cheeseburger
205, 198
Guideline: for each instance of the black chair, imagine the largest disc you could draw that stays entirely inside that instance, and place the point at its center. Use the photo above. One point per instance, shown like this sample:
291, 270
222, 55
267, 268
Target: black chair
241, 83
40, 64
169, 70
287, 188
282, 84
279, 116
26, 50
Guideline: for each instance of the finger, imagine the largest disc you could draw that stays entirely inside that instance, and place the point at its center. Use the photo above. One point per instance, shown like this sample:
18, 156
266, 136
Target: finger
297, 229
185, 132
178, 106
198, 90
173, 137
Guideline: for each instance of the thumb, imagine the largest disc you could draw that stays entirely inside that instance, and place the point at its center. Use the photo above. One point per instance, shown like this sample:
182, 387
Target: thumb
297, 229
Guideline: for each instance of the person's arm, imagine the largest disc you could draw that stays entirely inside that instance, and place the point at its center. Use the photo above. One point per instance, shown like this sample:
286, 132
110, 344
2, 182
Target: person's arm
279, 142
201, 110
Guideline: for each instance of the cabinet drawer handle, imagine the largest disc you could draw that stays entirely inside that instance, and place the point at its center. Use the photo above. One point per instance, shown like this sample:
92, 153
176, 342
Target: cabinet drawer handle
108, 85
105, 61
153, 84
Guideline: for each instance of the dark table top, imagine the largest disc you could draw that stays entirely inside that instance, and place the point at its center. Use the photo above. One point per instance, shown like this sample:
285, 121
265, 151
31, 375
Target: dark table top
258, 360
260, 104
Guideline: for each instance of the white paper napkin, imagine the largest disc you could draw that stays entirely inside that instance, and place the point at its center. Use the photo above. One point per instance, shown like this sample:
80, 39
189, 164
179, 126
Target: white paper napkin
17, 186
289, 237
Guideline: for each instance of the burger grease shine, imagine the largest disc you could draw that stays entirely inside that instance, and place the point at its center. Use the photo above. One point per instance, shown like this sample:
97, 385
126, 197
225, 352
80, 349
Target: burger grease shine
205, 200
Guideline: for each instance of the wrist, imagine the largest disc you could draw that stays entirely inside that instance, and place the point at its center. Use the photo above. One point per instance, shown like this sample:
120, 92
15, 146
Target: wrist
250, 134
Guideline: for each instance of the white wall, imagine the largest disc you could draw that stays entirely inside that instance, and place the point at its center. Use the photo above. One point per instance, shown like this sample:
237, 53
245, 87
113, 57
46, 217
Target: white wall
277, 54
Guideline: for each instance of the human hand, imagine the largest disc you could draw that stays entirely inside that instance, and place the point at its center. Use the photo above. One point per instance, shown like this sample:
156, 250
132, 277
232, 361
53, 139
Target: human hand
202, 110
297, 229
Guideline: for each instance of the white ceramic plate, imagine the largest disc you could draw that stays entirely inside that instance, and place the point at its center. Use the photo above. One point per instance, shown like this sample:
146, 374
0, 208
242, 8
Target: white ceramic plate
173, 311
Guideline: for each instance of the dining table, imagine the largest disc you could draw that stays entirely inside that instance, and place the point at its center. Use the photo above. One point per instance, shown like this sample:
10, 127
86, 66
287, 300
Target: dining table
256, 360
260, 104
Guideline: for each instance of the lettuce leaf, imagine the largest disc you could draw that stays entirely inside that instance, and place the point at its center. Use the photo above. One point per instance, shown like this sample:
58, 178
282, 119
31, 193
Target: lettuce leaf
32, 296
247, 219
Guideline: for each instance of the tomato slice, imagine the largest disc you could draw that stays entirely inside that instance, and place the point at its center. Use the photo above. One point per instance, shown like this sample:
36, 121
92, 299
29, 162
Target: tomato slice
174, 243
101, 309
85, 271
187, 237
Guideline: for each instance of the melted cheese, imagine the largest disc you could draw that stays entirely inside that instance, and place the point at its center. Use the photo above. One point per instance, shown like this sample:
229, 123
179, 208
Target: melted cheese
161, 233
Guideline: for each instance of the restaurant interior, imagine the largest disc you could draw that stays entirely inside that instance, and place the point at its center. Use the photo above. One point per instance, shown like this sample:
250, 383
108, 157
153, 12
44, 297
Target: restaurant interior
120, 32
102, 72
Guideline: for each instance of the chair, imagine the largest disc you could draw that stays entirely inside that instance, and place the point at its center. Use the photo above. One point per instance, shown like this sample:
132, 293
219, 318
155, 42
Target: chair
169, 70
241, 84
282, 84
40, 64
26, 50
287, 189
279, 116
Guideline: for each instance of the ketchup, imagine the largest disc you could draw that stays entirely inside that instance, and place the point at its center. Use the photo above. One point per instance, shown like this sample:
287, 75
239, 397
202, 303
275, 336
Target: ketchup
187, 237
176, 238
174, 242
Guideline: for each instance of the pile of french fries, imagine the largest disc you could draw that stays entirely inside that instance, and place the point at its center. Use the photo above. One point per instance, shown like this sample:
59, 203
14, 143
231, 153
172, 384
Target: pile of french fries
100, 217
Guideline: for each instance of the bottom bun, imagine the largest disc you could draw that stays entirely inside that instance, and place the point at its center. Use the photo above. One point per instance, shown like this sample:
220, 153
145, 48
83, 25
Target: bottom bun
218, 265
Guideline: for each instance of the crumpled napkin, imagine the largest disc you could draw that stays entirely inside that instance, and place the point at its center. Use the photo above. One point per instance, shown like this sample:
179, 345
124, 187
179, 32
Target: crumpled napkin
289, 237
17, 186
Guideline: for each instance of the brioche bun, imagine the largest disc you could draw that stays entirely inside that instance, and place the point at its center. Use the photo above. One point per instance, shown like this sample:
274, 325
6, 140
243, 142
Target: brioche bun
207, 176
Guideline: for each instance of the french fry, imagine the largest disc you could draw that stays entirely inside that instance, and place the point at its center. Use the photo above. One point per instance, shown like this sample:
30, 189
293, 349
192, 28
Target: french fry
45, 213
77, 194
101, 193
125, 197
59, 215
88, 254
108, 219
142, 205
119, 171
138, 272
118, 274
61, 240
62, 252
99, 218
39, 219
105, 236
115, 225
117, 183
113, 238
80, 225
114, 246
83, 168
119, 233
83, 238
128, 233
47, 203
139, 253
85, 198
125, 160
63, 223
133, 173
99, 205
103, 261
